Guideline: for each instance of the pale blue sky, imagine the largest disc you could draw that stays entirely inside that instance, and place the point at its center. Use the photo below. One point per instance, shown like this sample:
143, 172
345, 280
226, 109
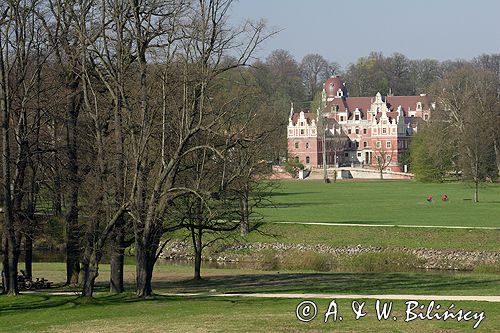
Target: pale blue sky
343, 31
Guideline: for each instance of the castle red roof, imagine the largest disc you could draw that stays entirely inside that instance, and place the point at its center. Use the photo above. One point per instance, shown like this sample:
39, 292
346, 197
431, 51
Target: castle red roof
363, 104
309, 116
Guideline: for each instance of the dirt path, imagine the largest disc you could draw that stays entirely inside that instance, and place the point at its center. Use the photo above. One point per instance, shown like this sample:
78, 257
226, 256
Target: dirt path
495, 299
387, 225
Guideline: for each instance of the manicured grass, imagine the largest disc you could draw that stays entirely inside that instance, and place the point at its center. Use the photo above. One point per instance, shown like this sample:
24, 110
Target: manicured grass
390, 237
123, 313
384, 202
344, 283
179, 279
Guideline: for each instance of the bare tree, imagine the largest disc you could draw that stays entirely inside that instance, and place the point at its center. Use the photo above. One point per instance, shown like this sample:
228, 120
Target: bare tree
315, 70
383, 159
467, 102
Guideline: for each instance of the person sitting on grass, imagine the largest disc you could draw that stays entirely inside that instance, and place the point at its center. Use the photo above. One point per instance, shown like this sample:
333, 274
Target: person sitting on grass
429, 198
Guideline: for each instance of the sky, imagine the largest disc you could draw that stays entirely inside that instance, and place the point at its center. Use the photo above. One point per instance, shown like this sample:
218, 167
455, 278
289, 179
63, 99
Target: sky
343, 31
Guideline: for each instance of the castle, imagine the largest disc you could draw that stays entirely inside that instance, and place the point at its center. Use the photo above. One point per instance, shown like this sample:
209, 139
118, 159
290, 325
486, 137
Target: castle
356, 131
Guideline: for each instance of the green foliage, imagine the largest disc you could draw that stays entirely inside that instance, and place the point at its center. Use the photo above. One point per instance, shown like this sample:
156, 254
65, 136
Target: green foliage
292, 166
491, 268
382, 262
309, 261
268, 260
431, 153
404, 159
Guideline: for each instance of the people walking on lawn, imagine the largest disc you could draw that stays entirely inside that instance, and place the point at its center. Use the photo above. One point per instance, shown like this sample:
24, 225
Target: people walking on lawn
429, 198
445, 198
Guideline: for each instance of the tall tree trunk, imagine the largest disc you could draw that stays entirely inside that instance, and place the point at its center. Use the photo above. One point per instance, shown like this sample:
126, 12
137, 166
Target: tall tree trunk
118, 237
9, 239
196, 235
476, 190
28, 253
72, 232
244, 215
145, 259
90, 273
56, 199
117, 259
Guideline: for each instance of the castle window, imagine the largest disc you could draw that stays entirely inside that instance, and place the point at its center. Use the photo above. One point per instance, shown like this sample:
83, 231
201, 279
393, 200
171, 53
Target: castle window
307, 159
384, 130
388, 144
301, 131
357, 130
307, 145
426, 117
349, 131
359, 154
296, 145
379, 145
357, 144
365, 144
364, 130
301, 123
356, 117
341, 118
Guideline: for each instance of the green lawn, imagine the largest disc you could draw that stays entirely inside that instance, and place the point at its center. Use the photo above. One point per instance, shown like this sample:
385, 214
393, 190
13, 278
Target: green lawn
168, 278
389, 237
385, 203
111, 313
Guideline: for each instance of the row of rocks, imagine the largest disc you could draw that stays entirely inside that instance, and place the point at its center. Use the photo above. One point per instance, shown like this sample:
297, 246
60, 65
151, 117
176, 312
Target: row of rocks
431, 258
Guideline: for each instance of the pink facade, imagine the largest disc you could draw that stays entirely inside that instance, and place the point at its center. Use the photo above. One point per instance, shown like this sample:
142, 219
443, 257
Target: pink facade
356, 130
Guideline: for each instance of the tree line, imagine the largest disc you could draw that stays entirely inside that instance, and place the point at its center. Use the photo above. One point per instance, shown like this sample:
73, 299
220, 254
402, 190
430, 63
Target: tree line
127, 119
124, 120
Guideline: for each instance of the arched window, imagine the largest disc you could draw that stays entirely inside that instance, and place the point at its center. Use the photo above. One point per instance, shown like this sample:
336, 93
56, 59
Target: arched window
307, 145
307, 159
296, 145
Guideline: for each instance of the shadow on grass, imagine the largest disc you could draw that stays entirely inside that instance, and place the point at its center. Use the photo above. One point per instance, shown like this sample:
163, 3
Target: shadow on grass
41, 301
386, 222
364, 283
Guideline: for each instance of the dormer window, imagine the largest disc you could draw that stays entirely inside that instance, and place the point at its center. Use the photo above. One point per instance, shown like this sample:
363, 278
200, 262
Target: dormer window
419, 106
356, 116
340, 93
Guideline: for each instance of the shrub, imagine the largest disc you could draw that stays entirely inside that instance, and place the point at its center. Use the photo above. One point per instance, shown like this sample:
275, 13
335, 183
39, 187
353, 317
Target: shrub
491, 268
292, 166
268, 261
382, 262
310, 261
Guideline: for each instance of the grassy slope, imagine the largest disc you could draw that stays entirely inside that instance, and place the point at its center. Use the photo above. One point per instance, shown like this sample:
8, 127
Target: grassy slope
169, 314
384, 202
453, 239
